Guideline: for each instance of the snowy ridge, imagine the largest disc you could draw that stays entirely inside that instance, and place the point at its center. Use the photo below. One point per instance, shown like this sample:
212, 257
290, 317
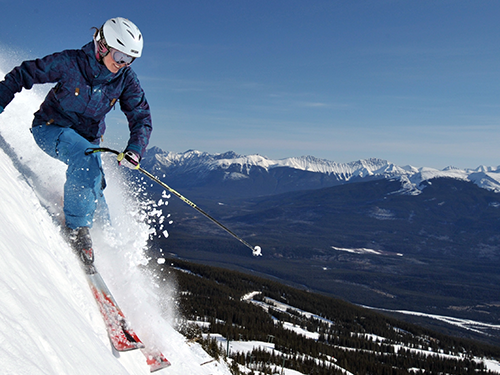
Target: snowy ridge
196, 159
487, 178
411, 177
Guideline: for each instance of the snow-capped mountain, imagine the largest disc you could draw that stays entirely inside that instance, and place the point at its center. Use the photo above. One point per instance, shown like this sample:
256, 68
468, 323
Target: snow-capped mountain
202, 160
268, 176
199, 161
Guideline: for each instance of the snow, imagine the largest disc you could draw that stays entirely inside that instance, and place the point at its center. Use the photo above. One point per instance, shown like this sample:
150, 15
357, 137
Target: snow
191, 160
267, 303
467, 324
411, 177
49, 322
248, 346
48, 325
366, 251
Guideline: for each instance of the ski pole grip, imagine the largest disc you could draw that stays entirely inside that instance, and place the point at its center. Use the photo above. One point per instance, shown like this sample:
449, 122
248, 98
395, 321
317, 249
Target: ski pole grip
123, 155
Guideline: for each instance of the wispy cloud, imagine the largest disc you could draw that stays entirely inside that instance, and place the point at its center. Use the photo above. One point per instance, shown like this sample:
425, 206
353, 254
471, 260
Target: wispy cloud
315, 105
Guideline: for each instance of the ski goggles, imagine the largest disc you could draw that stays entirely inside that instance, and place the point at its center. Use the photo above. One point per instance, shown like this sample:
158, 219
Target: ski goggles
120, 57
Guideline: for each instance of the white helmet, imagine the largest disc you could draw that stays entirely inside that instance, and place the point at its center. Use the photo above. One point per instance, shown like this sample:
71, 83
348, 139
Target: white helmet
121, 34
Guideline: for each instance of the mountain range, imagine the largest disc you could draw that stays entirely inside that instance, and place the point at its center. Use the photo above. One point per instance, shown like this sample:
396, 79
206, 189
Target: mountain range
233, 175
369, 232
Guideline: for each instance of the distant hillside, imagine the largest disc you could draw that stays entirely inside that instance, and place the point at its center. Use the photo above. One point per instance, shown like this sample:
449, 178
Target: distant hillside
436, 252
381, 236
308, 332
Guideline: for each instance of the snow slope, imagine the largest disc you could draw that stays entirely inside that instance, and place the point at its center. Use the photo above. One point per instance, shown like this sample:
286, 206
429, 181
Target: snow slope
49, 322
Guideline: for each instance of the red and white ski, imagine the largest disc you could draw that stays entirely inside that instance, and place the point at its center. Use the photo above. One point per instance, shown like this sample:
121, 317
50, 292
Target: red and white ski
155, 359
121, 335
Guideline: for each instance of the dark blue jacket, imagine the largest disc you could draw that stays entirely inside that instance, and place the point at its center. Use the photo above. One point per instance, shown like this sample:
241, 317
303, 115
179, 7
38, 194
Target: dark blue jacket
85, 92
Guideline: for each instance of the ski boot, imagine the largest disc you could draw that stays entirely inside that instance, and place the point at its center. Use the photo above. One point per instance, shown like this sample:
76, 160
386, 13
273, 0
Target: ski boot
81, 242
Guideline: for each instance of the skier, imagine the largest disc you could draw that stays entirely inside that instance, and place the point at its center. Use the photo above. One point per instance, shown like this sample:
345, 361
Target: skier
89, 83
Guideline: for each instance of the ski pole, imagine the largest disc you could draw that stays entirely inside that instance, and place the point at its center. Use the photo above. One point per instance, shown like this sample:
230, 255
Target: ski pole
256, 250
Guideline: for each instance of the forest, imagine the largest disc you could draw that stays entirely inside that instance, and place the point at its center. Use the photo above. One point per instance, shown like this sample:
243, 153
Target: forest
349, 337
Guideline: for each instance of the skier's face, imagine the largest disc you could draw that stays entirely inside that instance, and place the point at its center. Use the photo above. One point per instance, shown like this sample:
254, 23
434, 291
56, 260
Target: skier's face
111, 64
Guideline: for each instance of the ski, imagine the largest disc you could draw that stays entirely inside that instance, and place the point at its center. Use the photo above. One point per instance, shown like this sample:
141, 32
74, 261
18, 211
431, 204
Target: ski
155, 359
121, 335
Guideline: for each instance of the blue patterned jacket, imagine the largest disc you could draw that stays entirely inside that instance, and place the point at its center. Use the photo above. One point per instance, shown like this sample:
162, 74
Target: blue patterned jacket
85, 92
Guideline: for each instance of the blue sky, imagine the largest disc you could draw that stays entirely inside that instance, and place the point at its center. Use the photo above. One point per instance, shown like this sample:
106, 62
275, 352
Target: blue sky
413, 82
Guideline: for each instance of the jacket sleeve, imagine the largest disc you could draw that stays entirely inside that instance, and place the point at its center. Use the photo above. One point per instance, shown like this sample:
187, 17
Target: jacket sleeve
136, 108
44, 70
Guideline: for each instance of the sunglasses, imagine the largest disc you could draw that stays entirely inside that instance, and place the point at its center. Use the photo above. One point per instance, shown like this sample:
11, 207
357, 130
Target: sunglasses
120, 57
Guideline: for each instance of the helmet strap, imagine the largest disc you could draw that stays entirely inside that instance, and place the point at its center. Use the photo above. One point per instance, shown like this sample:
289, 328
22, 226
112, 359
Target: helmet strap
101, 47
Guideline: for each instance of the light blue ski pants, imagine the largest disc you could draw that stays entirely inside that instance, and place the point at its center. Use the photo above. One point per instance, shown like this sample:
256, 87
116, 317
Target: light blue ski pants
83, 190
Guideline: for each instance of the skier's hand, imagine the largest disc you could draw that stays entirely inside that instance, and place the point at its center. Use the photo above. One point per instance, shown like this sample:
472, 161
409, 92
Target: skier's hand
129, 159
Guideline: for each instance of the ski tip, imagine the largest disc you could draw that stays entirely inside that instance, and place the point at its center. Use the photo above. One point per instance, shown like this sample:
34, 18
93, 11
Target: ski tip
160, 366
156, 360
